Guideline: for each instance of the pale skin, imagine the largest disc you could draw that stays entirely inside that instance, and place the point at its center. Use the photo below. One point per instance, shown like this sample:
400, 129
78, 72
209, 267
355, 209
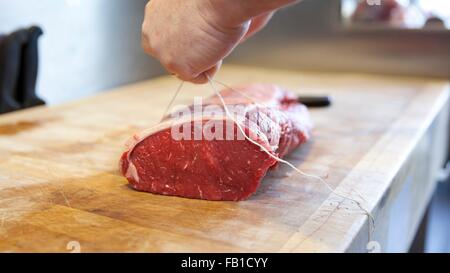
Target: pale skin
192, 37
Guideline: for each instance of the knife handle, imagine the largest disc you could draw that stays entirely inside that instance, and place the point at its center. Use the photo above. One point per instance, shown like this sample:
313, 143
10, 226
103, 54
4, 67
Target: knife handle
315, 101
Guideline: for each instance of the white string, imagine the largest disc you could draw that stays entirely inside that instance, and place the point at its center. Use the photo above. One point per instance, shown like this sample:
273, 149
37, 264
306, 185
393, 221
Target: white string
254, 101
172, 100
239, 92
259, 105
227, 112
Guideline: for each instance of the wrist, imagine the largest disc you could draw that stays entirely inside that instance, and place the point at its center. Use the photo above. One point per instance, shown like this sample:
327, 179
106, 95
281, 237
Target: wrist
239, 11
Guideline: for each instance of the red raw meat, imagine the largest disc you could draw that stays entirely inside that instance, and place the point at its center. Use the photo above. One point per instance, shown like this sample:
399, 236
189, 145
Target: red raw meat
217, 169
389, 11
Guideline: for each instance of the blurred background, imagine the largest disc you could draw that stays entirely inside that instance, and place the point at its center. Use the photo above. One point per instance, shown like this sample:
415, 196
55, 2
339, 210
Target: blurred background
89, 46
93, 45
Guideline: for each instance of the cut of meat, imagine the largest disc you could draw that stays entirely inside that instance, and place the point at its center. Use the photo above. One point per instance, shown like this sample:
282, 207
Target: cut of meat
202, 153
390, 11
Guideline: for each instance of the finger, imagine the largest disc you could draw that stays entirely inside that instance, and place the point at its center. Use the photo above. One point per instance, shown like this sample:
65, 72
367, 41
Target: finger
257, 24
202, 78
145, 44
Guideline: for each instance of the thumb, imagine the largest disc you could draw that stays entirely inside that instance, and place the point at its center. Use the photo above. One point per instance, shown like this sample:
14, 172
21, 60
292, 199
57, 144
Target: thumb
258, 23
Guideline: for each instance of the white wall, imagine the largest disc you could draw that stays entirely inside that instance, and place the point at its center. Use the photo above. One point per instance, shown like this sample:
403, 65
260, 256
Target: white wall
88, 45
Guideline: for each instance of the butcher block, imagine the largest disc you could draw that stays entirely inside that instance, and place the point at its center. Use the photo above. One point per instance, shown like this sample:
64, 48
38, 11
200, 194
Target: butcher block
382, 143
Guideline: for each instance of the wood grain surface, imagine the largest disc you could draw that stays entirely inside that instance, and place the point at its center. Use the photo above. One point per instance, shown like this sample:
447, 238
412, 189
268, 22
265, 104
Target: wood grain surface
381, 143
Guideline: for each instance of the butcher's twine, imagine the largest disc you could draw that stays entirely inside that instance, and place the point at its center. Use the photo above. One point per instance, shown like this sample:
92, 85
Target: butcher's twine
264, 149
172, 100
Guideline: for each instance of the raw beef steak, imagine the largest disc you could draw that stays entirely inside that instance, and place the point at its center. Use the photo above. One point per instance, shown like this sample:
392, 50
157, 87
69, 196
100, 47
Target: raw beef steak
201, 153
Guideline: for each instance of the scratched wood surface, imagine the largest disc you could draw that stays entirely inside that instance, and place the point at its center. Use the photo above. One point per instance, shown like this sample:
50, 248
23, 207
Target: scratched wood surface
60, 185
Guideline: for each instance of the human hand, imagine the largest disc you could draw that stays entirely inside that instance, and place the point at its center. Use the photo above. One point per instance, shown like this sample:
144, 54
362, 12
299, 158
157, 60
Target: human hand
191, 38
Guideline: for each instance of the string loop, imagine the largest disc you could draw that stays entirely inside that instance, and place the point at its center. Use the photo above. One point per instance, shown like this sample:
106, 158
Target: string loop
227, 112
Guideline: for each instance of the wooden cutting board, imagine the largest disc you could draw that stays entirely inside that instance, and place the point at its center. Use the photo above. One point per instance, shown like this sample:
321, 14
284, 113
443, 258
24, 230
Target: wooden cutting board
60, 188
